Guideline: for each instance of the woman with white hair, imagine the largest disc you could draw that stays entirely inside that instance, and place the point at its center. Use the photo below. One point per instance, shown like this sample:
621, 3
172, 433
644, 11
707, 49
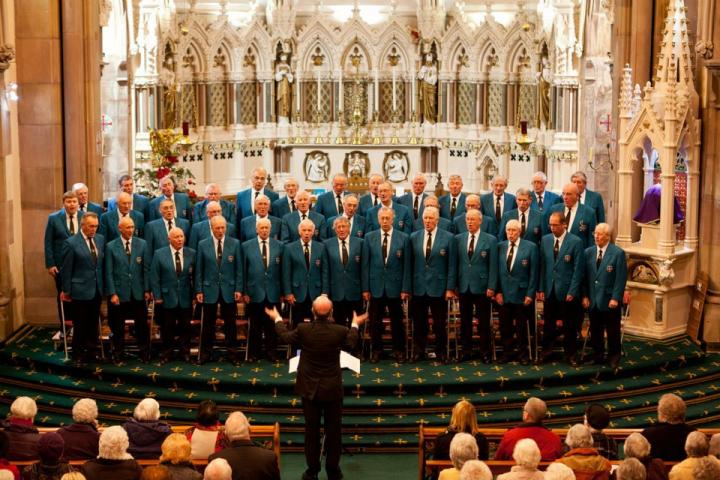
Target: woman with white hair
82, 436
583, 458
463, 447
527, 456
146, 431
667, 435
113, 461
218, 469
637, 446
696, 447
631, 469
475, 470
559, 471
714, 449
707, 468
22, 434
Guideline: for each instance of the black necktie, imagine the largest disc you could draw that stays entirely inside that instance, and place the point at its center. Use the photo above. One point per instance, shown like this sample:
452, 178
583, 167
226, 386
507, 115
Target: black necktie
540, 202
375, 201
428, 247
170, 225
256, 194
303, 216
72, 224
264, 253
127, 248
93, 252
556, 249
599, 259
385, 248
453, 207
522, 224
339, 205
415, 207
510, 256
307, 256
82, 208
292, 205
498, 213
219, 253
567, 217
343, 247
471, 247
178, 265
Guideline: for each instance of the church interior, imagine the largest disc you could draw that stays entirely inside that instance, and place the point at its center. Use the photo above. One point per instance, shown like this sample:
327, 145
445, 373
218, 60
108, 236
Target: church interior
209, 92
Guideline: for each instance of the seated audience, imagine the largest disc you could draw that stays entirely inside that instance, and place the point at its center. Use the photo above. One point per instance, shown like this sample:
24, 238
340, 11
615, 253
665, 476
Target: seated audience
82, 436
714, 449
113, 461
464, 420
527, 457
176, 458
156, 472
667, 436
584, 460
533, 414
696, 447
559, 471
6, 475
5, 465
51, 466
707, 468
145, 430
597, 418
74, 475
463, 447
206, 436
631, 469
218, 469
22, 434
247, 460
637, 446
475, 470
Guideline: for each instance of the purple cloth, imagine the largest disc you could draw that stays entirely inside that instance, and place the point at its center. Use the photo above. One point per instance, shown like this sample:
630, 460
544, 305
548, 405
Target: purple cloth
649, 211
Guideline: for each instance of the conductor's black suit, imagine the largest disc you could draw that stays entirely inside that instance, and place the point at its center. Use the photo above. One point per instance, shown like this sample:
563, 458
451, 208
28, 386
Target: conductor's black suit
319, 383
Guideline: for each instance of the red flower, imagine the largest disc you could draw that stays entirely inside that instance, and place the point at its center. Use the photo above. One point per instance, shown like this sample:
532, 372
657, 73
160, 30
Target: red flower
192, 194
162, 172
172, 159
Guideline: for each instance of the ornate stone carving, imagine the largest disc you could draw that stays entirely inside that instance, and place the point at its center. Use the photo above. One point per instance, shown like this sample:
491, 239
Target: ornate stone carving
704, 48
7, 54
666, 274
105, 9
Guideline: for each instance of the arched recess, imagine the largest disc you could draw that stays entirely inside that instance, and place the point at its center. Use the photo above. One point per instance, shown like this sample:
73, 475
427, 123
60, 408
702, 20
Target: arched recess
192, 67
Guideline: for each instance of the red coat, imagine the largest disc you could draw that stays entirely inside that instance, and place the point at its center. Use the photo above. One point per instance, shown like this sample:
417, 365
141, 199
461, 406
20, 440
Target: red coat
548, 442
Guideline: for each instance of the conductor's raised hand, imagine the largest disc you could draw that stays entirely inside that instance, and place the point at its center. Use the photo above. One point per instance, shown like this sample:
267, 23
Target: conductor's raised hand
272, 312
359, 319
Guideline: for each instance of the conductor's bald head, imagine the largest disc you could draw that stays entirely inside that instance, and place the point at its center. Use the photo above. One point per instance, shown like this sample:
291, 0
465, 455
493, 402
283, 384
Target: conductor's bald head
322, 308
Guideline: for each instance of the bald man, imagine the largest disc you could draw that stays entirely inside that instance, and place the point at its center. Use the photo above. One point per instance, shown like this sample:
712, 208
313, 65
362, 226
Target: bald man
245, 201
330, 204
415, 198
213, 194
183, 206
370, 199
110, 220
580, 219
201, 230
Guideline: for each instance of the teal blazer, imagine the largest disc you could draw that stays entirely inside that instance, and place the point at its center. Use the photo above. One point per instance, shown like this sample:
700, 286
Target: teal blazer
215, 282
403, 218
407, 200
56, 232
433, 277
289, 229
80, 277
358, 227
95, 208
296, 278
280, 207
128, 278
477, 274
549, 199
175, 291
140, 204
564, 276
534, 227
248, 231
201, 230
109, 224
262, 284
487, 203
200, 213
243, 202
345, 282
156, 234
488, 225
366, 204
183, 207
446, 202
594, 201
388, 279
608, 281
326, 204
522, 280
583, 224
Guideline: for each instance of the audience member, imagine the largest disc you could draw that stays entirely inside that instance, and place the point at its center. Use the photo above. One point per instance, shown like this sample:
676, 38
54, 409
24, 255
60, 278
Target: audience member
145, 430
464, 420
218, 469
74, 475
597, 418
696, 447
631, 469
5, 465
22, 434
584, 460
51, 466
462, 448
176, 458
206, 436
667, 437
559, 471
475, 470
714, 449
7, 475
637, 446
533, 414
113, 461
156, 472
707, 468
82, 436
527, 457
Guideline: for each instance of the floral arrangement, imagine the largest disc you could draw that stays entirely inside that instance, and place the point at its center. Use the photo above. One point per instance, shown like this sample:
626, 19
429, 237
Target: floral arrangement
166, 146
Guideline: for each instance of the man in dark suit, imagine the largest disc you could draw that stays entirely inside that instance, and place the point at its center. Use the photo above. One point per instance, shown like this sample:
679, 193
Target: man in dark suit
580, 219
589, 198
443, 223
387, 255
291, 221
518, 269
357, 223
434, 270
414, 199
183, 206
319, 381
218, 281
246, 459
330, 204
244, 203
488, 225
262, 274
110, 220
82, 284
283, 206
139, 203
85, 205
171, 282
213, 194
561, 275
531, 221
542, 199
476, 283
201, 230
497, 202
605, 279
403, 217
156, 231
453, 203
262, 209
127, 283
370, 199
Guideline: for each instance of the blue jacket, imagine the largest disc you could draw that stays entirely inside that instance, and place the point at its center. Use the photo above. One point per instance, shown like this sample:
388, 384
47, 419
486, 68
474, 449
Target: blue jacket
175, 291
262, 284
291, 221
183, 207
200, 211
388, 279
156, 234
366, 203
81, 278
94, 208
346, 282
408, 200
280, 207
434, 276
326, 204
488, 225
128, 278
477, 274
56, 232
487, 203
549, 199
296, 278
201, 230
358, 227
608, 281
109, 224
446, 202
243, 202
564, 276
534, 225
140, 204
403, 218
443, 224
215, 282
583, 224
594, 201
248, 230
522, 280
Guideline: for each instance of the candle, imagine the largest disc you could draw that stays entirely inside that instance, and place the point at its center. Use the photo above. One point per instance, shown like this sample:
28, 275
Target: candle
393, 91
340, 93
377, 91
297, 90
523, 127
186, 128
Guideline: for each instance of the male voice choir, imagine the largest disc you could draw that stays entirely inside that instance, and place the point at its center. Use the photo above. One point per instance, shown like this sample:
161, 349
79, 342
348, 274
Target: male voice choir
497, 251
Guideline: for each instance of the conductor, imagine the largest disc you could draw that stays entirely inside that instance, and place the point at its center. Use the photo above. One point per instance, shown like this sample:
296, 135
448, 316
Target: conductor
319, 380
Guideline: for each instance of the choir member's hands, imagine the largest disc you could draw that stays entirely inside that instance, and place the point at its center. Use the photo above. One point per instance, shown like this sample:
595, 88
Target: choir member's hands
246, 298
490, 293
148, 296
53, 271
626, 297
499, 299
569, 298
586, 303
64, 297
540, 296
613, 303
528, 301
290, 299
404, 296
114, 299
238, 297
366, 296
199, 297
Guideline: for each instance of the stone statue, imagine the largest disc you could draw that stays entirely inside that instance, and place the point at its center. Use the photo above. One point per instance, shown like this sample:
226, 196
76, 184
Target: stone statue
428, 76
284, 79
543, 107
